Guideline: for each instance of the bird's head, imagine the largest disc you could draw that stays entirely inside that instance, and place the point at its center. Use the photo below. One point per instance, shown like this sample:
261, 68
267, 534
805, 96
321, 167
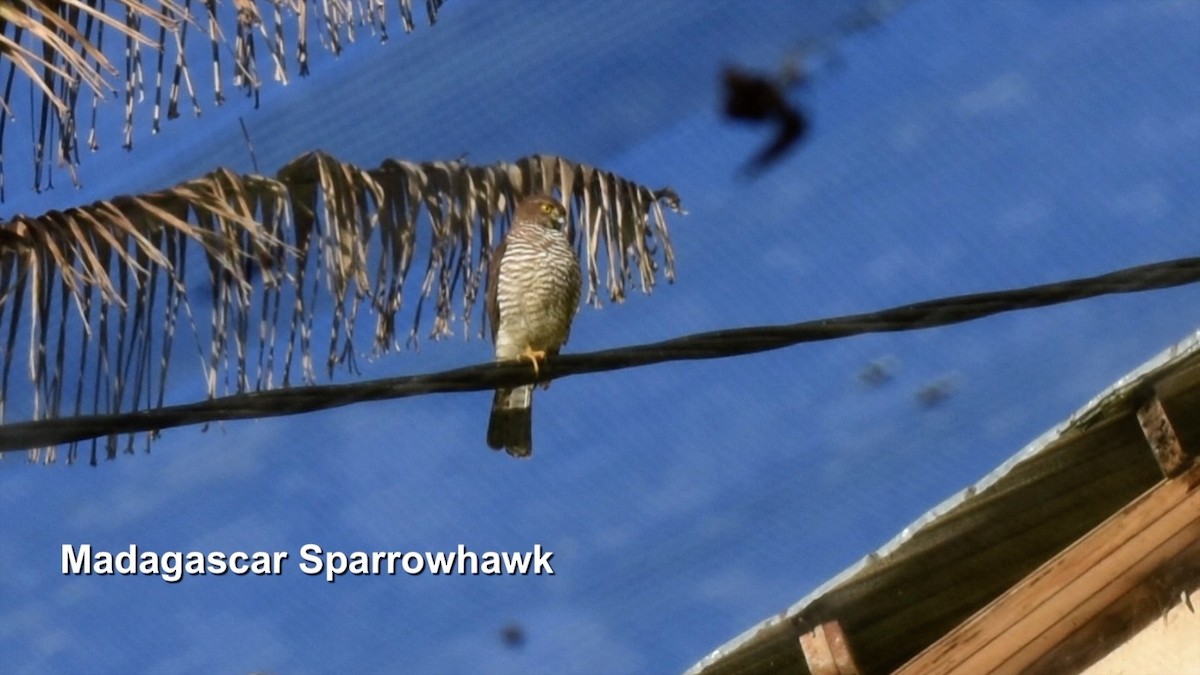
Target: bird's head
541, 210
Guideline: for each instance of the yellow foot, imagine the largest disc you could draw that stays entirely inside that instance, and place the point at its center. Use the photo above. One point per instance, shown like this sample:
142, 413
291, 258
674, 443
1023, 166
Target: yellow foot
534, 355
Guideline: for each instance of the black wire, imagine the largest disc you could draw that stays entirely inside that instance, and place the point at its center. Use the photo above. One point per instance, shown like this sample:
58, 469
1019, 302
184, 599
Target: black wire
717, 344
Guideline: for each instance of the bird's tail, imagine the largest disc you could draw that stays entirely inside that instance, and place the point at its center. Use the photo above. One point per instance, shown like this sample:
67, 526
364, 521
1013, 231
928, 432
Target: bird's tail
511, 424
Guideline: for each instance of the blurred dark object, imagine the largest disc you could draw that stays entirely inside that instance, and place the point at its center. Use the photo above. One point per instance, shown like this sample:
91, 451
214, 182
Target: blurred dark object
935, 393
512, 635
760, 99
878, 372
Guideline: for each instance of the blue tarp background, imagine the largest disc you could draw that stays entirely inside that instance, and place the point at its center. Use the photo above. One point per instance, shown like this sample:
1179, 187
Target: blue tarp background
957, 147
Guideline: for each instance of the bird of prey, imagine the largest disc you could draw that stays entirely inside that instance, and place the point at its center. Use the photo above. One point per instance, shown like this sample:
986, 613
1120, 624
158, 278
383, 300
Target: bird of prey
533, 290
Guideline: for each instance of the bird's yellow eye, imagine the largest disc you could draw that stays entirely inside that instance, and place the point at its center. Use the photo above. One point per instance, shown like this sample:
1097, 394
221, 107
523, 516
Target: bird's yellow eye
548, 208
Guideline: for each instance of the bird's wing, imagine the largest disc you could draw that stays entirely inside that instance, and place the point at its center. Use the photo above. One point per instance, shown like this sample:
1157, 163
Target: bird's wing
493, 282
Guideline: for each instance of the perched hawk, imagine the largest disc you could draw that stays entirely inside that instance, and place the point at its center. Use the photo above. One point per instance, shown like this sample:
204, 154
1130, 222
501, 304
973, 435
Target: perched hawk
533, 292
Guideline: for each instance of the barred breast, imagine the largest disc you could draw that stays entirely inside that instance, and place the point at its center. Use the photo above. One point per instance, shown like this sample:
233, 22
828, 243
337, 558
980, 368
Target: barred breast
537, 292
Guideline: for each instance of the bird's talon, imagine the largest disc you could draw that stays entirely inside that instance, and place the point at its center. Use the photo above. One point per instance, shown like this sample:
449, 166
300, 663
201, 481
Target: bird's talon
534, 355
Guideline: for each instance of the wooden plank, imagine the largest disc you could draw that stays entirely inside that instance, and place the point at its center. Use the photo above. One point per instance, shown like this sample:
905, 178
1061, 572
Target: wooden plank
827, 652
1153, 528
1083, 609
1161, 436
841, 649
1160, 596
817, 653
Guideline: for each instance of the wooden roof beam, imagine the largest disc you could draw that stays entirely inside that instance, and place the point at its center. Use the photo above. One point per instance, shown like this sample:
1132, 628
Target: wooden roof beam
1075, 587
826, 651
1163, 440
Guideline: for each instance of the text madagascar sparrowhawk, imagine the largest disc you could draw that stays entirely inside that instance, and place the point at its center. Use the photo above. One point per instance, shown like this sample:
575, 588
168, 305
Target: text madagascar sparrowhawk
533, 290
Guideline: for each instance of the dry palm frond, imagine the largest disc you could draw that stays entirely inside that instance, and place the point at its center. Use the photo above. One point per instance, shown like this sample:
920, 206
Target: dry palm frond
57, 45
95, 294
